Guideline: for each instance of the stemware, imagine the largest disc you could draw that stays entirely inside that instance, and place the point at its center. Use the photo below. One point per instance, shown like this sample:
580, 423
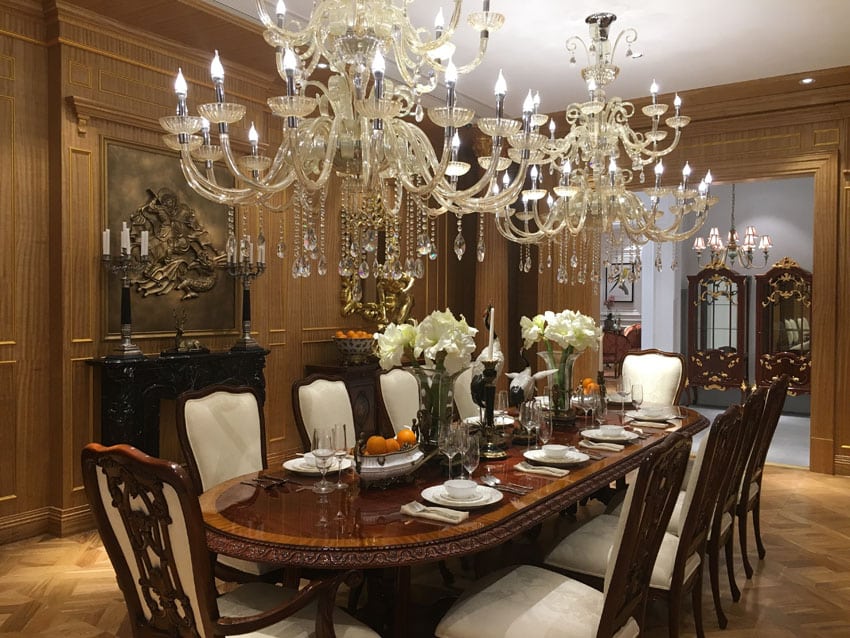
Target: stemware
544, 427
323, 452
637, 395
528, 417
471, 454
449, 444
340, 438
501, 406
625, 393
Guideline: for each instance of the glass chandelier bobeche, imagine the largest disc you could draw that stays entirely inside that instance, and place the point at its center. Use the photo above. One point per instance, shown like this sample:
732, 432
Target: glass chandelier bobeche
734, 251
351, 128
594, 165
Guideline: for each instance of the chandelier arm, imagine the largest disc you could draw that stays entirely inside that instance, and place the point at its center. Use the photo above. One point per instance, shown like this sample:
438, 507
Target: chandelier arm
630, 35
263, 187
415, 139
484, 204
211, 190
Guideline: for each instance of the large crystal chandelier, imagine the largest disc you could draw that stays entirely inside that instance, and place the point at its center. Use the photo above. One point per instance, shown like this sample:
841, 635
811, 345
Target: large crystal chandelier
354, 129
594, 166
737, 252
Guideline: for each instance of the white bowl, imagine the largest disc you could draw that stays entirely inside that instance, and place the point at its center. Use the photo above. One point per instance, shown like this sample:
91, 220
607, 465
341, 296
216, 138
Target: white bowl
611, 430
460, 489
308, 460
555, 451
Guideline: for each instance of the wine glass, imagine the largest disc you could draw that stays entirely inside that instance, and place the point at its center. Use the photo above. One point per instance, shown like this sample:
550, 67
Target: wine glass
637, 395
323, 452
528, 416
625, 392
544, 429
340, 438
449, 444
471, 454
501, 406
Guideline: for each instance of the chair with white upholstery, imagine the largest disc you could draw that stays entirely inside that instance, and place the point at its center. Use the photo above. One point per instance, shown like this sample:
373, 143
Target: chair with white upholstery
222, 435
398, 398
319, 402
678, 563
749, 498
466, 407
662, 375
531, 601
150, 521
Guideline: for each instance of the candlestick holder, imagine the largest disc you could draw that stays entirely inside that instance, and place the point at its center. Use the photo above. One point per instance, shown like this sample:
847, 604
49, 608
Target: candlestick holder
246, 271
124, 265
495, 438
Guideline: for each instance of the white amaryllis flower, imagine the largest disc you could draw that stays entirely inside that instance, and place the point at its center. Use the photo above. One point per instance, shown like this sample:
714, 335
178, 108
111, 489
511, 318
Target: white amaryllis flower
572, 329
442, 336
393, 342
532, 329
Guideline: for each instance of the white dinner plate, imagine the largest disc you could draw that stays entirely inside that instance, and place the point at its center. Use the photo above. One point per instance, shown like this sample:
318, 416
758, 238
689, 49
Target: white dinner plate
652, 415
497, 420
572, 458
484, 496
598, 435
298, 466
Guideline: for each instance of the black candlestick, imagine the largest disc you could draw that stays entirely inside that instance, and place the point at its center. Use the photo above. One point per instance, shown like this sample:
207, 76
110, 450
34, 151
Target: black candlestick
246, 271
491, 448
124, 264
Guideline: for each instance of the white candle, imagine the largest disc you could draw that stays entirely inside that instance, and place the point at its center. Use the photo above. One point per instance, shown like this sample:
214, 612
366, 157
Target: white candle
490, 342
144, 246
106, 243
125, 237
601, 356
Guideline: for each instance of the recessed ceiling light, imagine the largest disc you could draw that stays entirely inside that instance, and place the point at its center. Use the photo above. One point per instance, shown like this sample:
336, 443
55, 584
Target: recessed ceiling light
807, 81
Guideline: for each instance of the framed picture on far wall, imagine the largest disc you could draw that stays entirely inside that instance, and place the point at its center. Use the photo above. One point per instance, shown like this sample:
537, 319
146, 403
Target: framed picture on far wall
619, 286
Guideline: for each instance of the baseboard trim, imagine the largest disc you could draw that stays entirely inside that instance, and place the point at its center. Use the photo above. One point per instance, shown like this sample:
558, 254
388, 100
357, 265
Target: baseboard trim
70, 521
45, 520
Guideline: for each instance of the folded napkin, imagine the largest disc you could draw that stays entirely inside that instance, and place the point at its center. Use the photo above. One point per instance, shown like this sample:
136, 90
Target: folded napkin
542, 470
658, 425
442, 514
610, 447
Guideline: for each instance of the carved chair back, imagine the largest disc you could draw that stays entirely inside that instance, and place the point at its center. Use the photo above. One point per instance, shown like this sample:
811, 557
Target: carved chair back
773, 404
662, 374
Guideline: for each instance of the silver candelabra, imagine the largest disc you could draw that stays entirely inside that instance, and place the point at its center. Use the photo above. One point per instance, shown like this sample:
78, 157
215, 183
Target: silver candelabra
241, 265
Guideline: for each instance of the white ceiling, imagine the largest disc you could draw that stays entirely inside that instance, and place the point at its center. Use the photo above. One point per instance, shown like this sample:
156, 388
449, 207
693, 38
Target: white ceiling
686, 44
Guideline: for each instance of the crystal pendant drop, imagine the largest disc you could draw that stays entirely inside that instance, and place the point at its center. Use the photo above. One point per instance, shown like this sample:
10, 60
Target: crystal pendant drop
549, 260
305, 267
423, 244
528, 263
562, 275
410, 266
581, 278
296, 271
363, 269
395, 270
261, 243
642, 176
346, 267
390, 250
311, 241
418, 113
432, 254
370, 240
419, 268
574, 261
481, 252
459, 246
281, 249
322, 266
357, 291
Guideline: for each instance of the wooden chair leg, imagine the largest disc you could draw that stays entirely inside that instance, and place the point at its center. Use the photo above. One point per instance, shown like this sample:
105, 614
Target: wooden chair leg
730, 567
713, 572
696, 602
742, 540
757, 526
674, 604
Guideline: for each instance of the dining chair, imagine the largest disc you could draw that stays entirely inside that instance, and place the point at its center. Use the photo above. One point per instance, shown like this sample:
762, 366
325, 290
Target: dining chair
221, 430
661, 374
530, 601
614, 349
465, 404
678, 565
150, 521
722, 523
319, 401
749, 499
398, 398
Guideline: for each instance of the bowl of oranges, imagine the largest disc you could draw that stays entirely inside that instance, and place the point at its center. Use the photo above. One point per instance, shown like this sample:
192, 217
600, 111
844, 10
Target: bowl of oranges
386, 459
355, 346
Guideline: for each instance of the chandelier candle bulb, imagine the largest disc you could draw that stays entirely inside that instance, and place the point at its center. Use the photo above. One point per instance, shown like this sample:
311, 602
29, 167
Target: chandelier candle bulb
686, 173
378, 68
451, 83
653, 90
439, 23
501, 90
217, 75
280, 13
677, 104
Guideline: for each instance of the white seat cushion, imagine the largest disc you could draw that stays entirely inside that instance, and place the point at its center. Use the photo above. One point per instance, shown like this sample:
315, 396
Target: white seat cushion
257, 597
659, 375
528, 602
587, 550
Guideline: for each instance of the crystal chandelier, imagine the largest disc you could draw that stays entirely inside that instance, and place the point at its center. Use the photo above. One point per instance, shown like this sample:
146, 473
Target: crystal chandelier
735, 252
594, 165
353, 130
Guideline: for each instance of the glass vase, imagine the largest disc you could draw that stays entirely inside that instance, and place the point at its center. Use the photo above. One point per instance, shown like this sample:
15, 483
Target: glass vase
560, 383
436, 403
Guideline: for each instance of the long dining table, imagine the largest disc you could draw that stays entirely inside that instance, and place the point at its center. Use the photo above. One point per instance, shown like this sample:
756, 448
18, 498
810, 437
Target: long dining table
362, 528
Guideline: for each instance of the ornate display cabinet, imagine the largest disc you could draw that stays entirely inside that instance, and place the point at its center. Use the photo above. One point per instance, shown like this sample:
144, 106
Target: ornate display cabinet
783, 325
718, 302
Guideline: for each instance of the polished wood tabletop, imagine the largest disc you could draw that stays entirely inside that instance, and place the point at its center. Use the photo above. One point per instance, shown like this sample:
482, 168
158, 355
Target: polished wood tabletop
362, 528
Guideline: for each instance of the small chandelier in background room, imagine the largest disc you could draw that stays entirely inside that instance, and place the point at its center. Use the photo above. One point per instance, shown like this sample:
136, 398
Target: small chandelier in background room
737, 254
350, 130
595, 163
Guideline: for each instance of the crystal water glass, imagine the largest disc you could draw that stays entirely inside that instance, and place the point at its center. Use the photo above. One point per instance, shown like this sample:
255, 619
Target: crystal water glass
323, 451
449, 444
637, 395
340, 438
471, 455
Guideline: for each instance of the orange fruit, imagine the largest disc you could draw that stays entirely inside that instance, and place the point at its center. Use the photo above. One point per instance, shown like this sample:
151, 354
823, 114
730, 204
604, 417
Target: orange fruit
393, 445
350, 334
376, 445
339, 334
406, 436
586, 382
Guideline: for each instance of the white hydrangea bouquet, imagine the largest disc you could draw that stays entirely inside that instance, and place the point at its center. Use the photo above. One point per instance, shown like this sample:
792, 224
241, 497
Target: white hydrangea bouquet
573, 332
446, 344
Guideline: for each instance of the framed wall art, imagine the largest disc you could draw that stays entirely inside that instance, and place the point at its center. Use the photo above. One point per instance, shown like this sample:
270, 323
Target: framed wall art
619, 285
145, 188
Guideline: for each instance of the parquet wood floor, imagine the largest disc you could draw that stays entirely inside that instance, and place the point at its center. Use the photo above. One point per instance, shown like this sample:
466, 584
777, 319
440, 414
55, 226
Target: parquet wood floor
66, 588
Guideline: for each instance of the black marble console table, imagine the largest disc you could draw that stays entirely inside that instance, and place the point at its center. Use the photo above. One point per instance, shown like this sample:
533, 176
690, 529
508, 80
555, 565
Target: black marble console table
130, 391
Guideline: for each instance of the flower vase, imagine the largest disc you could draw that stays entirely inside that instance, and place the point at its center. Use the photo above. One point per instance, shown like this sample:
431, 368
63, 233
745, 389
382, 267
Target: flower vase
436, 403
560, 383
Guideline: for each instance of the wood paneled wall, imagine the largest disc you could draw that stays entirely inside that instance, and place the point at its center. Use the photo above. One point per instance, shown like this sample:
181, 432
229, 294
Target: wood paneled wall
70, 79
